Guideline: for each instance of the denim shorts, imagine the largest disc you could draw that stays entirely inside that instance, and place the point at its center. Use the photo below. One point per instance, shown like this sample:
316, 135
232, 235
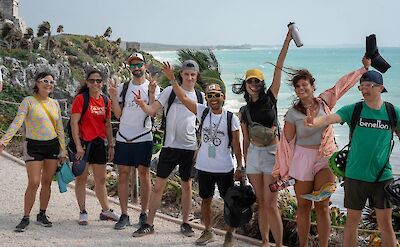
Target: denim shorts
260, 160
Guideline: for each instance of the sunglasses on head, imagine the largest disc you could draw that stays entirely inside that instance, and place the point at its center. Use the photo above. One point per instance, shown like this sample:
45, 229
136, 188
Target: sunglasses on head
211, 95
136, 65
98, 81
253, 81
45, 81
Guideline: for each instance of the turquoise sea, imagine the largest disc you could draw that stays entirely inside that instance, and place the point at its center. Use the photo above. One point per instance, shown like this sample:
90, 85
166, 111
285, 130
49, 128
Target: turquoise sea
327, 64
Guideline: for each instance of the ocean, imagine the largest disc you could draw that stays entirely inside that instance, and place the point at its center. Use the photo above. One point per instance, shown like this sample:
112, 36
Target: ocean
327, 64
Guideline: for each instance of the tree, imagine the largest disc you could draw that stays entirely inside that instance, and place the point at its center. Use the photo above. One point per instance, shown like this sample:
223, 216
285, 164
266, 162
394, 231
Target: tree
42, 30
10, 35
118, 41
107, 33
60, 29
28, 33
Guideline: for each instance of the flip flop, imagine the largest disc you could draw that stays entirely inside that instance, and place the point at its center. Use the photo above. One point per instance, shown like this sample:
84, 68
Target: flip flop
325, 192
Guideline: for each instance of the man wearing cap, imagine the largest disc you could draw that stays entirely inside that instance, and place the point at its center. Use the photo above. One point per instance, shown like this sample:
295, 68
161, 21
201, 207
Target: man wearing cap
179, 147
134, 140
214, 161
368, 158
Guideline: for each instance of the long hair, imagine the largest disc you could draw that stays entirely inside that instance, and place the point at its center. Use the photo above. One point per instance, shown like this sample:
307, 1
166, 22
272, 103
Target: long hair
84, 87
297, 76
38, 77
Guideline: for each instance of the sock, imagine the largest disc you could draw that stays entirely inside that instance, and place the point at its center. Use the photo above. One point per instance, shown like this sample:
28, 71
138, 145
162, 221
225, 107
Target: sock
83, 211
42, 211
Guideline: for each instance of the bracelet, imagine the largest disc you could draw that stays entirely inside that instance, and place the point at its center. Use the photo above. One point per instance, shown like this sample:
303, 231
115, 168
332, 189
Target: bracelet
172, 81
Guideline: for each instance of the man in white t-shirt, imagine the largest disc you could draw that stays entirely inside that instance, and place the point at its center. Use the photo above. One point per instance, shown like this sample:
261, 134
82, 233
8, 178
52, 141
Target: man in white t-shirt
179, 147
214, 161
134, 139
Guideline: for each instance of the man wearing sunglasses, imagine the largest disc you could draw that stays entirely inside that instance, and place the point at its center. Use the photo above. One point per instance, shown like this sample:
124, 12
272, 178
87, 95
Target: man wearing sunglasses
214, 161
179, 147
134, 140
368, 170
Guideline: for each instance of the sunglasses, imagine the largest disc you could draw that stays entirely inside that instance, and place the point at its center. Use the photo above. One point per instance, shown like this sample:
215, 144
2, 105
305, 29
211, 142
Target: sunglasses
48, 82
367, 85
136, 65
254, 81
211, 95
98, 81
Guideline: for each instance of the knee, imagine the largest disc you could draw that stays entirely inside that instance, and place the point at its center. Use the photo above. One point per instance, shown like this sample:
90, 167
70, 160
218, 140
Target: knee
321, 209
158, 189
100, 180
385, 225
144, 173
352, 222
186, 186
304, 208
33, 184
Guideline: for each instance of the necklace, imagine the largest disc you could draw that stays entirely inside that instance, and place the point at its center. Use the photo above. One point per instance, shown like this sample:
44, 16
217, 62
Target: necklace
308, 106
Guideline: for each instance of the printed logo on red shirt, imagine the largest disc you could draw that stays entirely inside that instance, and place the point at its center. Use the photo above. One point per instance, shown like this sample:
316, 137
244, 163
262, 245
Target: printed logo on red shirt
97, 110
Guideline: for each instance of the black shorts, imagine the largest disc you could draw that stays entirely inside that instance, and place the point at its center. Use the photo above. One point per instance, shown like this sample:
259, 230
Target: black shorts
170, 158
133, 154
357, 192
35, 150
98, 152
207, 181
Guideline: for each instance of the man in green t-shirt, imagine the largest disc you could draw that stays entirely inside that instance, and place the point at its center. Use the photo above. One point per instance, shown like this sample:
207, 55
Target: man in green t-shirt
370, 152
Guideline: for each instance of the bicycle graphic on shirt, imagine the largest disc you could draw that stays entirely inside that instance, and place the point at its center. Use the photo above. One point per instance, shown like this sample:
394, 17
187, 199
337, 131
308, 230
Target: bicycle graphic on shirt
207, 136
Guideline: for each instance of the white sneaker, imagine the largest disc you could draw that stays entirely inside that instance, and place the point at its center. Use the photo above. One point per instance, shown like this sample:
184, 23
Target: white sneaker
83, 218
109, 215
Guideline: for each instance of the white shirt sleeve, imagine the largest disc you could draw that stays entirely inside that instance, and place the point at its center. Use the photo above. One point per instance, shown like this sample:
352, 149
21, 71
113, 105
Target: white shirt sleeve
164, 96
235, 122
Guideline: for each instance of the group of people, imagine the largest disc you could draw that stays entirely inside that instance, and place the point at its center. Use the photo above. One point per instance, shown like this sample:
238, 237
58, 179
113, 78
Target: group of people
300, 150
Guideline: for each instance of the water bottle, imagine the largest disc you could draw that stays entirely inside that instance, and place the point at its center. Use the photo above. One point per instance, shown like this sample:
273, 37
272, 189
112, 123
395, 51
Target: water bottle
295, 34
280, 185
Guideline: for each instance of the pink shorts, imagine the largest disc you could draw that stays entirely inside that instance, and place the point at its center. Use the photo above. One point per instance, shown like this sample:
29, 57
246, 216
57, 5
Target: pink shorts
306, 163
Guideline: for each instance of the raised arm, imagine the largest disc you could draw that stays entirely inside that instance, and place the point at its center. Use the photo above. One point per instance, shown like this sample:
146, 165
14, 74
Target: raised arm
276, 81
113, 92
180, 93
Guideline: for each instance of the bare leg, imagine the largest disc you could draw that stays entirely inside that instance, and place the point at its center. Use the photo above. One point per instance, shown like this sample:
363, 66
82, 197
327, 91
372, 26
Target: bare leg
155, 198
273, 214
322, 208
80, 188
186, 199
303, 211
123, 184
33, 170
206, 213
99, 174
145, 187
350, 229
384, 218
49, 169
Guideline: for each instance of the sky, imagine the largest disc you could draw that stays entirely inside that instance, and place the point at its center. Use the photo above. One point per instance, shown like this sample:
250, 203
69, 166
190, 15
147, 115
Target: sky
223, 22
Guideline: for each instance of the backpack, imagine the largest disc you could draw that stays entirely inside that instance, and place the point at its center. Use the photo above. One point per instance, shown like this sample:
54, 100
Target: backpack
171, 99
338, 160
229, 119
86, 99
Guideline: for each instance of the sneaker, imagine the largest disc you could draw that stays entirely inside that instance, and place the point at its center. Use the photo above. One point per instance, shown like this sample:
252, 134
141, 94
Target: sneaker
83, 218
42, 219
228, 240
206, 237
122, 222
187, 230
21, 227
109, 215
143, 230
142, 219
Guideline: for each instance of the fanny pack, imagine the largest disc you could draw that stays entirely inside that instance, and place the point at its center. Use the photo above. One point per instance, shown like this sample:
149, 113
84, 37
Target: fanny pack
259, 133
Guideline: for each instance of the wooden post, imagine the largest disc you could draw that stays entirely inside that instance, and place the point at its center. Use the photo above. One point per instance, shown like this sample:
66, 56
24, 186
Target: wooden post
134, 186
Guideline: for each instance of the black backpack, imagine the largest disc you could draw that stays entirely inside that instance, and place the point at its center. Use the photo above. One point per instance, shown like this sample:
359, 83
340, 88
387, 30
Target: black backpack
86, 99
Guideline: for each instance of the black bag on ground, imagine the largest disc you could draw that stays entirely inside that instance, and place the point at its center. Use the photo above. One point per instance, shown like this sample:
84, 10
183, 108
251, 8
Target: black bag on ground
237, 205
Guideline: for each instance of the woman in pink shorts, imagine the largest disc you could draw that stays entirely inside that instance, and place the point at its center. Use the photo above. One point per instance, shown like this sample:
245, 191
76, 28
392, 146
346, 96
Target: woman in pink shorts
303, 152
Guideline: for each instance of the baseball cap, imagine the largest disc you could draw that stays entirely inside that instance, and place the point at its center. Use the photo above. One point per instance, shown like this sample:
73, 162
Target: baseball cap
137, 56
190, 64
254, 73
373, 76
214, 87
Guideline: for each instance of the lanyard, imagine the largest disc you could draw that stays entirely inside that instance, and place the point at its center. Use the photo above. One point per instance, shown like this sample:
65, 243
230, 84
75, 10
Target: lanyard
213, 131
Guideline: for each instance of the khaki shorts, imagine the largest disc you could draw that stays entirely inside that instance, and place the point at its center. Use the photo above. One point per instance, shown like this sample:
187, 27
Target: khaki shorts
356, 193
